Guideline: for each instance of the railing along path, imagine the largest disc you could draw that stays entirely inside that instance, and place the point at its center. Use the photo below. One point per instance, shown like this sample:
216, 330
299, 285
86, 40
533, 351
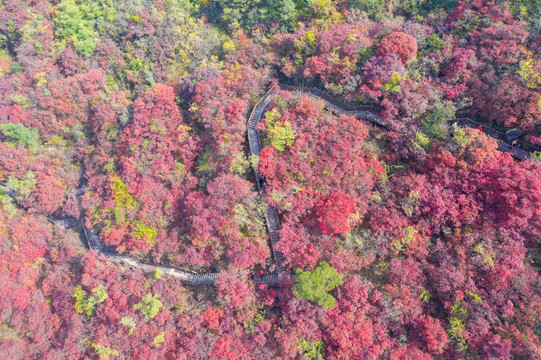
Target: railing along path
519, 150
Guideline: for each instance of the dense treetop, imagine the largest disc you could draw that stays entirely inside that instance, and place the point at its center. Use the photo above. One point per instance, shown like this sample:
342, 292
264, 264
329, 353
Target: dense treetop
421, 242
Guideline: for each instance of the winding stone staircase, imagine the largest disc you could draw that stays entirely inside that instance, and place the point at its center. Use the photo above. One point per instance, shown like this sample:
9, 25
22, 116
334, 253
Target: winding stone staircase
519, 150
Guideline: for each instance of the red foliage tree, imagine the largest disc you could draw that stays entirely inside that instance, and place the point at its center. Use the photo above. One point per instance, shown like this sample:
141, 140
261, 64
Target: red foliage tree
333, 212
293, 244
433, 333
212, 317
234, 289
399, 43
347, 321
229, 348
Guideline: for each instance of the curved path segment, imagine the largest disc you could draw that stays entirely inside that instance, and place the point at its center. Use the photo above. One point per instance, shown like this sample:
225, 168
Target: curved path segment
519, 150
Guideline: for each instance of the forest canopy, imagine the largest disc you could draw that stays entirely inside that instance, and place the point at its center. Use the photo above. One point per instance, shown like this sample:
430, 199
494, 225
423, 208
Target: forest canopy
390, 210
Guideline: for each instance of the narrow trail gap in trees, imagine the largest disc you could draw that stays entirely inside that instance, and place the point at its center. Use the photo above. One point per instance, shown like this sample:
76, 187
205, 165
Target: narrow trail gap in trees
519, 150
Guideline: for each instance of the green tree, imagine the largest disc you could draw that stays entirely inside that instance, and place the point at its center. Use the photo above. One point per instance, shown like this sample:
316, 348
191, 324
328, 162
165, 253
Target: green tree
15, 67
248, 13
21, 135
150, 305
129, 322
158, 339
102, 351
157, 274
373, 8
447, 5
84, 302
22, 187
459, 135
144, 232
283, 10
7, 204
412, 8
530, 11
313, 350
125, 202
456, 324
282, 135
433, 125
524, 8
82, 22
433, 44
421, 142
314, 285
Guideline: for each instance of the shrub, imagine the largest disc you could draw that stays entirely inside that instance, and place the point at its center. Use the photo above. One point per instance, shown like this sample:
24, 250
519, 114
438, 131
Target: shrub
21, 135
314, 285
22, 187
433, 125
434, 43
129, 322
149, 305
102, 351
313, 350
84, 302
79, 21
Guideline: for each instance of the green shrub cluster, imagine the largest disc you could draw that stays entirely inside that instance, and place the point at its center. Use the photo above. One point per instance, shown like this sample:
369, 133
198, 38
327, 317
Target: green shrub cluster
150, 305
85, 303
314, 285
21, 135
81, 22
